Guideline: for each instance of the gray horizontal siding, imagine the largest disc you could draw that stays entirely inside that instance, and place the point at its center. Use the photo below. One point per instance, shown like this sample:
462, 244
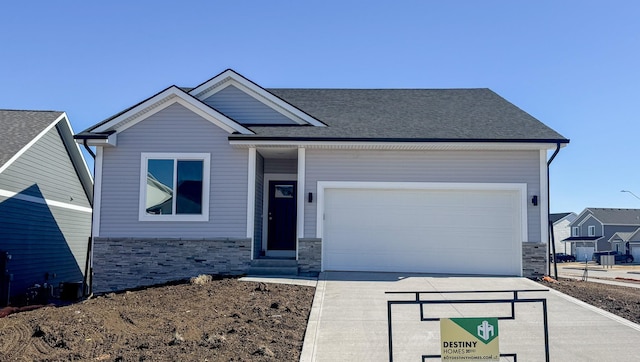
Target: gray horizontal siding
276, 165
43, 239
245, 109
174, 129
48, 165
430, 166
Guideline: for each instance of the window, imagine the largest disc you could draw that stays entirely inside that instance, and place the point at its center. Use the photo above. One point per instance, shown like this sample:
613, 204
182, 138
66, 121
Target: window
575, 231
592, 230
174, 186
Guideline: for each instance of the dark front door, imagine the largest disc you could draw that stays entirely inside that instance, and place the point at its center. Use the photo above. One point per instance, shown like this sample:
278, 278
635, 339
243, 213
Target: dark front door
282, 215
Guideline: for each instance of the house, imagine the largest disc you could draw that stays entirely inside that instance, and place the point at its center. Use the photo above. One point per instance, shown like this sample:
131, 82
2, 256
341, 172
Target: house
216, 178
594, 230
45, 201
561, 230
627, 242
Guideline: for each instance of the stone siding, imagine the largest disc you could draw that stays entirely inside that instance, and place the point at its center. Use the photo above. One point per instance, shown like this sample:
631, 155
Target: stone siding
309, 256
534, 259
123, 263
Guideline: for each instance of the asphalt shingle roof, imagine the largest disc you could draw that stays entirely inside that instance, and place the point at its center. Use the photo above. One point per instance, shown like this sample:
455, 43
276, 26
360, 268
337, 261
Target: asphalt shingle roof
616, 216
408, 114
556, 217
19, 128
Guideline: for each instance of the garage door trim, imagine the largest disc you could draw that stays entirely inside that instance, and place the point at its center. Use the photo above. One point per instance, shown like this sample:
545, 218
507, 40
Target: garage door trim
323, 186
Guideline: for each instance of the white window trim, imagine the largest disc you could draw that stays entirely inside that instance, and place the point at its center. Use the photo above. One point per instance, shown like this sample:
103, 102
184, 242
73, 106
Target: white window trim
592, 230
145, 156
575, 231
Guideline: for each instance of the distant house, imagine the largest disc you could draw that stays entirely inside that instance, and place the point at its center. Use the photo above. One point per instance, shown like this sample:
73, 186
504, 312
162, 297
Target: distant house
594, 229
45, 200
561, 230
215, 178
627, 241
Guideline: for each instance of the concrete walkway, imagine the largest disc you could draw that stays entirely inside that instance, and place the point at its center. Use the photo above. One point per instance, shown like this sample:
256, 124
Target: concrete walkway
348, 320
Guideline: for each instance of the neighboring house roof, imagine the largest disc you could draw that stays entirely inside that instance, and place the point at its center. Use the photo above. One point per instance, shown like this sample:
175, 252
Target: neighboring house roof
382, 115
23, 128
610, 216
557, 217
588, 238
623, 235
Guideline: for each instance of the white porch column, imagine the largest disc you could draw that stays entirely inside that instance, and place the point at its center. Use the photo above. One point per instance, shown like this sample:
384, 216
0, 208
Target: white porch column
301, 194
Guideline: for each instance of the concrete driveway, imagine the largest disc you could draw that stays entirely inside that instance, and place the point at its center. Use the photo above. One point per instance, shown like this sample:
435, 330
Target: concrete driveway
349, 322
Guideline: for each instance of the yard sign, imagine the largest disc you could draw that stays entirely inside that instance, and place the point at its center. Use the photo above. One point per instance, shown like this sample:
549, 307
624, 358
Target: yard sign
469, 339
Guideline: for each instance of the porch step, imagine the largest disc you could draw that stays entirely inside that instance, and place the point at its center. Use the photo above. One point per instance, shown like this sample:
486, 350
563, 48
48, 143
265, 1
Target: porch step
273, 267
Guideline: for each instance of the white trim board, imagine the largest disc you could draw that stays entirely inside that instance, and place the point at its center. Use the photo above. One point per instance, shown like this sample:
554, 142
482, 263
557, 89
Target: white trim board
42, 201
163, 100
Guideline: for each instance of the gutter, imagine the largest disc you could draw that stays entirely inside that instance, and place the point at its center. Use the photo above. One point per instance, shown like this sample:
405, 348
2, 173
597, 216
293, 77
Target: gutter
552, 237
87, 282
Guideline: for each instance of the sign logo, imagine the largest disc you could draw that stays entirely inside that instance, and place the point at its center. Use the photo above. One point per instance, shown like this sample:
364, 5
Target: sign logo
469, 339
485, 330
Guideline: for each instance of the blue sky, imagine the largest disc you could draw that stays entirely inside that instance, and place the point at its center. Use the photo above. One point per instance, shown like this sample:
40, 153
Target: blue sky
574, 65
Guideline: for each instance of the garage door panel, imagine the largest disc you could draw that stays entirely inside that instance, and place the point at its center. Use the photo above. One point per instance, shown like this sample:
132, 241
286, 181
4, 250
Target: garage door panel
438, 231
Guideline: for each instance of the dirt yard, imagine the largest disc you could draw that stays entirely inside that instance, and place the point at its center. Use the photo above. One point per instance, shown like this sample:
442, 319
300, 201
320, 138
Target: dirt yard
621, 301
222, 320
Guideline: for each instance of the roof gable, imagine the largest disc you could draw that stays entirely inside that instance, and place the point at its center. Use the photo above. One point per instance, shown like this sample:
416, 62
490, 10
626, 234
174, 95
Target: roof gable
22, 129
570, 216
229, 78
162, 100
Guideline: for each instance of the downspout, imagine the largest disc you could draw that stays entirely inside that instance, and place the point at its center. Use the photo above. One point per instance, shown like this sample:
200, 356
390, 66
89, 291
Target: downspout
553, 241
87, 289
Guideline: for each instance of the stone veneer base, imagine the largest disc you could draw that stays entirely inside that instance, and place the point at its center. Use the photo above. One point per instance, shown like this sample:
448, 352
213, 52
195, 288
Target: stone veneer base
125, 263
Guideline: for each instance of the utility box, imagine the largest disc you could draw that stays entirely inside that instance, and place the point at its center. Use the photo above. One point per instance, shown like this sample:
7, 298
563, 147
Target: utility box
607, 261
71, 291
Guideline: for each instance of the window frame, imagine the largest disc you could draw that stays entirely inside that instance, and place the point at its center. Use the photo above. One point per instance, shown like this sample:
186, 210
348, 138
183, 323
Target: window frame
575, 231
142, 197
591, 230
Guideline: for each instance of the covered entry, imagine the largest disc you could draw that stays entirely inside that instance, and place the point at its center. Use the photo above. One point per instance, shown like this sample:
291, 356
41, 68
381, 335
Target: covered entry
422, 227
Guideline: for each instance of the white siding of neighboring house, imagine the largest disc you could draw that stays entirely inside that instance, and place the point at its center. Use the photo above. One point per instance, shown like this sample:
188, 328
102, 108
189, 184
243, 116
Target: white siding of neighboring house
424, 166
174, 129
561, 231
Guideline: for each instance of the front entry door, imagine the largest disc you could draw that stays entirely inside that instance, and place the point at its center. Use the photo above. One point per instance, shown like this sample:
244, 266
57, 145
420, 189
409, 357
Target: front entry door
281, 218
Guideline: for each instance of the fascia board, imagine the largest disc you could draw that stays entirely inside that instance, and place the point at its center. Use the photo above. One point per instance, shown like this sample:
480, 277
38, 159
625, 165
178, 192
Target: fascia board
348, 144
163, 100
230, 77
32, 142
77, 158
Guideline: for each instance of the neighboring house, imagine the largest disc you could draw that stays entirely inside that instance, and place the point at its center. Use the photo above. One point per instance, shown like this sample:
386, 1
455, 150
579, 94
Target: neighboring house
45, 200
212, 179
561, 230
594, 229
627, 241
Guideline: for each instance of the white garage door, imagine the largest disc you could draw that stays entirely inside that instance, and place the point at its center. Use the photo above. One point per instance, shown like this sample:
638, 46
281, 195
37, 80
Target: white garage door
584, 253
423, 230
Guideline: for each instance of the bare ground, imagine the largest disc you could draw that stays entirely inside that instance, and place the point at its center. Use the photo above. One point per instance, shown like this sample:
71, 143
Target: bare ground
619, 300
222, 320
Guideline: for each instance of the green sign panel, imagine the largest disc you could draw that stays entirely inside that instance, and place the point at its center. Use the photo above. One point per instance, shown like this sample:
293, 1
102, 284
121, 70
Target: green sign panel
469, 339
